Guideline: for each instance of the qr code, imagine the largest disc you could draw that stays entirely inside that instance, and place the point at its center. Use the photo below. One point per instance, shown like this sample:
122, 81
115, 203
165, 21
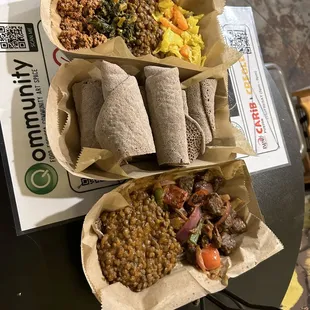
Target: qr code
239, 40
13, 37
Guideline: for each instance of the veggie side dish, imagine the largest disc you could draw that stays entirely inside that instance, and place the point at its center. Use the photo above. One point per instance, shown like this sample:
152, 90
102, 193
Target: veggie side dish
160, 27
181, 36
171, 220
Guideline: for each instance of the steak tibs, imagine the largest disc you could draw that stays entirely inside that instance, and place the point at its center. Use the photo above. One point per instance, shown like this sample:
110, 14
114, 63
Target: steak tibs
203, 218
186, 183
228, 243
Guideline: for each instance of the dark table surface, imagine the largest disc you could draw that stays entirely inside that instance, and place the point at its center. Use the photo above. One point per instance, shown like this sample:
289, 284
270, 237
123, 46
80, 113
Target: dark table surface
42, 270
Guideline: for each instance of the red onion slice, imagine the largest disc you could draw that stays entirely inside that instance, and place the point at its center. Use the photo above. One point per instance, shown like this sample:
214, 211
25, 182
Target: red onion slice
184, 233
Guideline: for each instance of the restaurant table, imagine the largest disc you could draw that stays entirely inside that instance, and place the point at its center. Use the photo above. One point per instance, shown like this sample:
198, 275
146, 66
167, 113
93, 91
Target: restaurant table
42, 270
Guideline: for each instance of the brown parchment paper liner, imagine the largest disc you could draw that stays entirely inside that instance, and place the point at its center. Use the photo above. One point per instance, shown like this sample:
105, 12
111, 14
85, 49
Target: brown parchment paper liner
63, 132
185, 283
216, 51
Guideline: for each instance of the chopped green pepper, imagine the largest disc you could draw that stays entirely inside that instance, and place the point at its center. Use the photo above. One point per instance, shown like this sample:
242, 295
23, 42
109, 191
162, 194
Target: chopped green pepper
159, 196
195, 236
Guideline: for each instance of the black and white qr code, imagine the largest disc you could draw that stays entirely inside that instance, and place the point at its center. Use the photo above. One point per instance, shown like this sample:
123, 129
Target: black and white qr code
13, 37
17, 38
239, 40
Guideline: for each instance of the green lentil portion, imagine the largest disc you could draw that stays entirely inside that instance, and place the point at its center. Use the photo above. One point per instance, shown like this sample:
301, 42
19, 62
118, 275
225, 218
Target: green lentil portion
139, 246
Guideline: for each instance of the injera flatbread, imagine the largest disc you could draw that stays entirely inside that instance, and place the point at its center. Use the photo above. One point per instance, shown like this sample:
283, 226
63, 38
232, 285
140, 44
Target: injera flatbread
196, 110
165, 102
195, 137
112, 75
123, 126
88, 99
185, 107
208, 89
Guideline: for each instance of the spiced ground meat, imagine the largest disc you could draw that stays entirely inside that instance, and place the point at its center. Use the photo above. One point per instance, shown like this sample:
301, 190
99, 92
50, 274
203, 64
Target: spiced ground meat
76, 32
88, 23
138, 245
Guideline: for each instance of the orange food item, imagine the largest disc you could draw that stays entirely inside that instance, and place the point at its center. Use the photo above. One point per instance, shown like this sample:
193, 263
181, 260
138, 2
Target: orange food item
185, 50
165, 22
198, 198
211, 257
179, 19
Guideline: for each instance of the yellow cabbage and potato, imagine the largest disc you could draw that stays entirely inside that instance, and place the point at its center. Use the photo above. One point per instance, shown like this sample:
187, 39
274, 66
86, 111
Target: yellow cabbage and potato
181, 36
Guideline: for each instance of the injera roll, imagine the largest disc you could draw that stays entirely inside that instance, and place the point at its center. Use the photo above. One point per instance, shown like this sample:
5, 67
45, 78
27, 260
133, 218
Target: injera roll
208, 89
165, 102
196, 110
195, 137
123, 126
185, 107
112, 76
88, 99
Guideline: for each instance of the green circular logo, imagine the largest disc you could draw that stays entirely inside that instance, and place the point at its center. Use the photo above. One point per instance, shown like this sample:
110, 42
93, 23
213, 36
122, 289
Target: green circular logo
41, 179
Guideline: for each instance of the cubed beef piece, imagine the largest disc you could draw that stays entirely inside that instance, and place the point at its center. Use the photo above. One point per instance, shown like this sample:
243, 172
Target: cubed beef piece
214, 205
227, 224
203, 185
186, 183
238, 226
228, 243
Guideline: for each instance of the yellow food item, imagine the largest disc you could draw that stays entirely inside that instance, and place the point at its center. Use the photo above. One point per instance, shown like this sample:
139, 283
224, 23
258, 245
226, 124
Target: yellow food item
171, 43
181, 32
165, 4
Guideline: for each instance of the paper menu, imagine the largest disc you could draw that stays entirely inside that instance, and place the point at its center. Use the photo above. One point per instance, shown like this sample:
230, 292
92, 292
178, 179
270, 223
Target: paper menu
251, 104
44, 193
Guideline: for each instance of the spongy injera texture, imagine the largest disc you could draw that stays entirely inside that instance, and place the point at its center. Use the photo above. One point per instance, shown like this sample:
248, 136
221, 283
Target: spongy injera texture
196, 110
123, 126
208, 89
195, 138
112, 76
167, 116
88, 100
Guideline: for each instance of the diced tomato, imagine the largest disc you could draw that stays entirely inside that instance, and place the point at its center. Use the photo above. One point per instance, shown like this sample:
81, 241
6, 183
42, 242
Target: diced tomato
197, 199
211, 257
175, 196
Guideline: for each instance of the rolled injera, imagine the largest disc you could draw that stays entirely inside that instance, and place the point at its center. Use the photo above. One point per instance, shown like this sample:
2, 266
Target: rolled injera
88, 100
208, 89
195, 137
123, 126
196, 110
165, 102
